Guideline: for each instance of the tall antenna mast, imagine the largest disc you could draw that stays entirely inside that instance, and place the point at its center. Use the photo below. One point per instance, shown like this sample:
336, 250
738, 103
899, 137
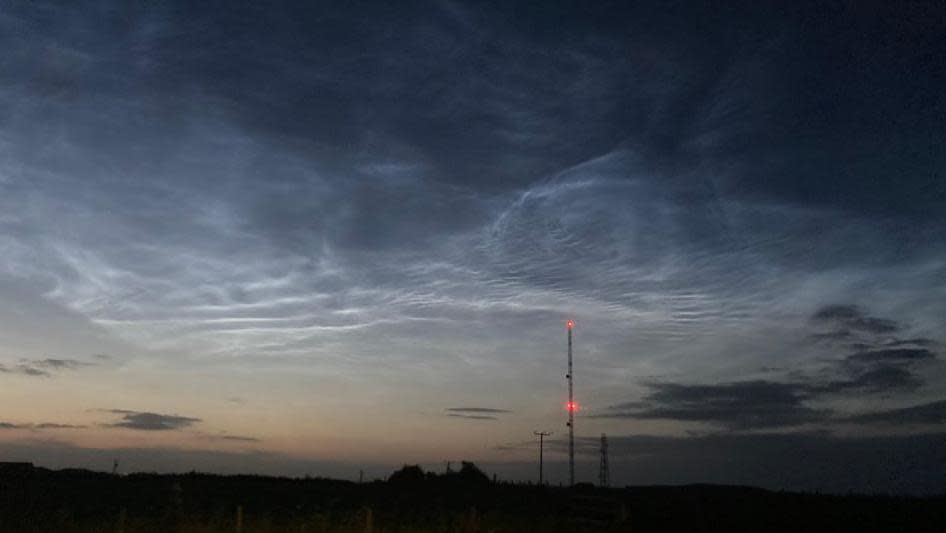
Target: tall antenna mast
541, 435
604, 470
571, 408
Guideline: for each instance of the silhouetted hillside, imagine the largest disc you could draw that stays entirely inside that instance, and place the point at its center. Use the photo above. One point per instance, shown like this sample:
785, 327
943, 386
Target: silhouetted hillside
36, 499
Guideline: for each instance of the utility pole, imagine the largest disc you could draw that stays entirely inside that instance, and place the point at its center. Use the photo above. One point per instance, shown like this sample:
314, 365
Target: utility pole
604, 470
571, 409
541, 435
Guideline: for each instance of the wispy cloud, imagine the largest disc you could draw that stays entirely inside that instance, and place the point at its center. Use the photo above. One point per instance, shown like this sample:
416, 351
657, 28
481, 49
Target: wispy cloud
39, 426
26, 370
475, 413
60, 364
477, 410
238, 438
374, 219
43, 367
852, 318
472, 417
226, 437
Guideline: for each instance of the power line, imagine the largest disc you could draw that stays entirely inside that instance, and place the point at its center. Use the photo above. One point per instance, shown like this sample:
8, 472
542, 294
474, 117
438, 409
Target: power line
541, 435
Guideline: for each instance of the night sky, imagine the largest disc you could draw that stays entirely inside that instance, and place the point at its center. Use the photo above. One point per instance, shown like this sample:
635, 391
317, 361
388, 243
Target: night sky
242, 237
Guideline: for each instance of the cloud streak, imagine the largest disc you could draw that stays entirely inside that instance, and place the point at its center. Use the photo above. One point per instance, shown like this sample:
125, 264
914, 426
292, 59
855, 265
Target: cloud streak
224, 437
762, 404
40, 426
147, 421
476, 413
928, 413
472, 417
851, 317
477, 410
43, 367
737, 405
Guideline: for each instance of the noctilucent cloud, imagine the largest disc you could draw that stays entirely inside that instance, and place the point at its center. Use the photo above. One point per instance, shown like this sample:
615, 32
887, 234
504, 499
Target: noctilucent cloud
342, 236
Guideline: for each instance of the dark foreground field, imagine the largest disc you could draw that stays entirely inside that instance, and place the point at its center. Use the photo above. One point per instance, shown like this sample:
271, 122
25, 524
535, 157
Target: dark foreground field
74, 500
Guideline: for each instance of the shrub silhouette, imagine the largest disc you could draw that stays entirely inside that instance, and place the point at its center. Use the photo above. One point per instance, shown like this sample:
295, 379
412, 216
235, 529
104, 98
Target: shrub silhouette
407, 475
470, 473
74, 501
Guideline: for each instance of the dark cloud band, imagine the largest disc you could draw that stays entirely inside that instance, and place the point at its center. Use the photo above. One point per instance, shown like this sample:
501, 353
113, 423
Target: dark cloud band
146, 421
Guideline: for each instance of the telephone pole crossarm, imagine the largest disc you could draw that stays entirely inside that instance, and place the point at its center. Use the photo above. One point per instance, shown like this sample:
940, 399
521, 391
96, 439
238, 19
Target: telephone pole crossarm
541, 435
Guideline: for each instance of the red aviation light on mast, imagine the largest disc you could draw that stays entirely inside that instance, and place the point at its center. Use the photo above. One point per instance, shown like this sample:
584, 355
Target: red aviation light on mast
570, 324
572, 406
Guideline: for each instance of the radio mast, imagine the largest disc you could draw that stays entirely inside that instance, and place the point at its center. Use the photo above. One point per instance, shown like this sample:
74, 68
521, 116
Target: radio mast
571, 408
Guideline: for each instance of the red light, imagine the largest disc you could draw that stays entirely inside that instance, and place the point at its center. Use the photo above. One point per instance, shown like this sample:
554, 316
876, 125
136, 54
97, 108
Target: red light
572, 406
570, 324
